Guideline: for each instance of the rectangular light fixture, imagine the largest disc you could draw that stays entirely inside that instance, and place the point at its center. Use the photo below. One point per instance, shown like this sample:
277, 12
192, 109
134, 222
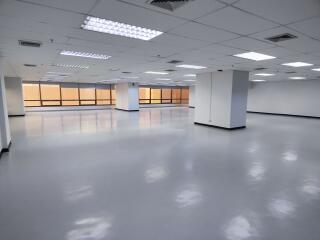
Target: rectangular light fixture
70, 66
156, 73
297, 78
190, 66
85, 54
164, 79
190, 75
264, 74
130, 77
254, 56
189, 80
120, 29
297, 64
258, 80
316, 69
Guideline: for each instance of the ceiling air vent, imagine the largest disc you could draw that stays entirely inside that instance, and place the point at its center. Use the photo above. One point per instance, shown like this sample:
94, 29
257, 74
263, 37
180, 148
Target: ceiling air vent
169, 5
281, 37
170, 70
260, 68
29, 65
27, 43
175, 61
291, 72
126, 72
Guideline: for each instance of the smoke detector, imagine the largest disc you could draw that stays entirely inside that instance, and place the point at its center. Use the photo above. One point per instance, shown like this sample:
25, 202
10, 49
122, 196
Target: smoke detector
169, 5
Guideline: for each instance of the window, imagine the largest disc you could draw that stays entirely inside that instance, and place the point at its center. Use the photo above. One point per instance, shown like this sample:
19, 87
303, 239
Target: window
31, 94
144, 95
103, 96
69, 96
113, 96
185, 96
176, 95
87, 96
155, 95
50, 94
166, 95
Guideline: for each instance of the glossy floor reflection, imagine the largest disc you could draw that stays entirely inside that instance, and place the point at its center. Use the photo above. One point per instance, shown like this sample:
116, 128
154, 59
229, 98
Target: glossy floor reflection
154, 175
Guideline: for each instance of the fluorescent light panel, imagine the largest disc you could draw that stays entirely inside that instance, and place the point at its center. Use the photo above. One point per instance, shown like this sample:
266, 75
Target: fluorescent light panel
258, 80
190, 75
120, 29
297, 78
297, 64
70, 66
156, 73
254, 56
190, 66
264, 74
164, 79
316, 69
85, 54
189, 80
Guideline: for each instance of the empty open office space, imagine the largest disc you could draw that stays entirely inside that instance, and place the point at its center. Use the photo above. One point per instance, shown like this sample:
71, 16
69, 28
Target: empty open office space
159, 119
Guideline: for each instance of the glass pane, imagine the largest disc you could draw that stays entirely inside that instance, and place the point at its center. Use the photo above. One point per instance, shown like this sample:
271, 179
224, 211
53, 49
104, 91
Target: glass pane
175, 101
70, 103
31, 91
103, 102
166, 101
113, 102
113, 94
144, 93
103, 93
166, 93
185, 101
185, 93
32, 103
155, 93
51, 103
69, 94
155, 101
88, 93
50, 92
87, 102
176, 93
144, 101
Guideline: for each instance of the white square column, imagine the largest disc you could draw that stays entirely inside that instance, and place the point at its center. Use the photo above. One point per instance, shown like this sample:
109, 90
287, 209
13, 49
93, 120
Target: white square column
221, 99
127, 96
14, 95
4, 120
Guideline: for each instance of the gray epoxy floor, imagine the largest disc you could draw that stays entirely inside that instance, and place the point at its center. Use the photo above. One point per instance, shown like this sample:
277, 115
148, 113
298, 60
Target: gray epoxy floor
154, 175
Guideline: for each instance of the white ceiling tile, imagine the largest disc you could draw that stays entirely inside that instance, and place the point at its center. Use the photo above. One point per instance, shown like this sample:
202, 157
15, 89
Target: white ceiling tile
236, 21
284, 11
202, 32
82, 6
310, 27
248, 44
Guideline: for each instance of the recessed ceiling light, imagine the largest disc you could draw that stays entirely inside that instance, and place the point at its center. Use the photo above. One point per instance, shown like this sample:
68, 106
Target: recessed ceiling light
254, 56
316, 69
297, 78
110, 80
258, 80
264, 74
297, 64
70, 66
120, 29
164, 79
190, 66
189, 80
84, 54
157, 73
190, 75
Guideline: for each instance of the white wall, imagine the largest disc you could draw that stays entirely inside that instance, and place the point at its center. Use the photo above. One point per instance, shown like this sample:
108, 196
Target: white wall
127, 96
286, 97
14, 95
192, 97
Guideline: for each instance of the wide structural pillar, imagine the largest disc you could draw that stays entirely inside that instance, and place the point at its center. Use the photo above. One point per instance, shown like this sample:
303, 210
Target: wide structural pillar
5, 135
127, 96
221, 99
14, 95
